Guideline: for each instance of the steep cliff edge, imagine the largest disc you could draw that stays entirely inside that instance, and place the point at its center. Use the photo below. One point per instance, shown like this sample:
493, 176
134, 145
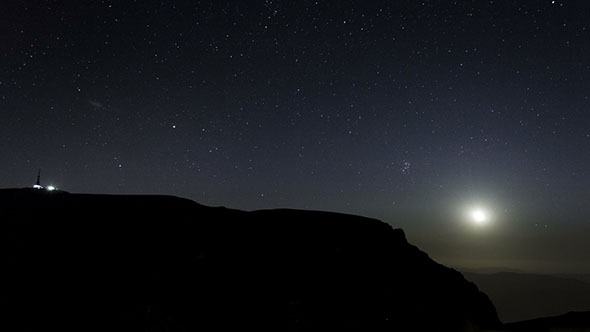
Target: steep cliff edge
161, 263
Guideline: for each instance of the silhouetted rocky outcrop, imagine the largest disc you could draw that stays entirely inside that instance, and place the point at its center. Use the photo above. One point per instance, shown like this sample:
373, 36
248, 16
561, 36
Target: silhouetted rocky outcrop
159, 263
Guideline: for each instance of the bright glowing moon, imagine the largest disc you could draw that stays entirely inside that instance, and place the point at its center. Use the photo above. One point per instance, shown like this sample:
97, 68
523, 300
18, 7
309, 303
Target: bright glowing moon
479, 216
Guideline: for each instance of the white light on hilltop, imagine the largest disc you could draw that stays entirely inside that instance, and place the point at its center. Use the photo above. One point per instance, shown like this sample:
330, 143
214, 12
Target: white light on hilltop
51, 188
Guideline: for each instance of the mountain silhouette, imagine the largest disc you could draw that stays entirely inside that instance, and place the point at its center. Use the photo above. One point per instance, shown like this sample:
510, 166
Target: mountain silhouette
160, 263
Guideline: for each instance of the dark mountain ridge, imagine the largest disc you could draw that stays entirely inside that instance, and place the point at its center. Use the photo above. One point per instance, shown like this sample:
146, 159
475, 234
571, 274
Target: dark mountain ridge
162, 263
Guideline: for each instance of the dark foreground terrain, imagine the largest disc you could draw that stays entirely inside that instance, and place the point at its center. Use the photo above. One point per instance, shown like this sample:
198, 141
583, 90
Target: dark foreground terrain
524, 296
570, 322
160, 263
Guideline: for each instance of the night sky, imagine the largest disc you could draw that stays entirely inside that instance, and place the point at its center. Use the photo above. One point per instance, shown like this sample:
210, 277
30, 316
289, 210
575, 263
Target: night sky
413, 112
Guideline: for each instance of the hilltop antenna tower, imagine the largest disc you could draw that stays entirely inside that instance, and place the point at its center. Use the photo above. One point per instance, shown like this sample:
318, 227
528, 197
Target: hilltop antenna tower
38, 183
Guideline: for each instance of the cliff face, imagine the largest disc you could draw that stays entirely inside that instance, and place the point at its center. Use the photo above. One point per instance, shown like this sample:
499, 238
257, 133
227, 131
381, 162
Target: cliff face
92, 262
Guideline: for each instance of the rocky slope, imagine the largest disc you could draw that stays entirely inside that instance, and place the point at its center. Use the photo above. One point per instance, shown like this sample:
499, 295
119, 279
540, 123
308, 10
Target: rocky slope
160, 263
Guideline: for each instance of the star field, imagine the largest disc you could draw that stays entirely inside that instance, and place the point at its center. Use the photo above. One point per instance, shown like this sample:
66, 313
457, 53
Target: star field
396, 110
